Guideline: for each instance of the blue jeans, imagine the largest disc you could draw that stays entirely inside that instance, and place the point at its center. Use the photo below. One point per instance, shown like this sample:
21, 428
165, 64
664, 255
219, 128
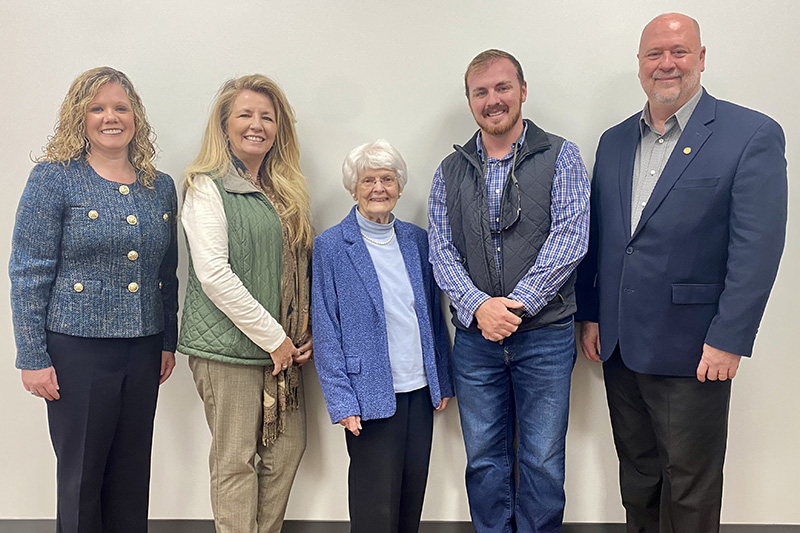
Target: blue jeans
530, 374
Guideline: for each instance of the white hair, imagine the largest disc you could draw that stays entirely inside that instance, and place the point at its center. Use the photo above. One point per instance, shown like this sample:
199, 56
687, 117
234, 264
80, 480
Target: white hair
373, 156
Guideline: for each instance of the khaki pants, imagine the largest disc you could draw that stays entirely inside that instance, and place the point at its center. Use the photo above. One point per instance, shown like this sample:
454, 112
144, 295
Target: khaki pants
250, 482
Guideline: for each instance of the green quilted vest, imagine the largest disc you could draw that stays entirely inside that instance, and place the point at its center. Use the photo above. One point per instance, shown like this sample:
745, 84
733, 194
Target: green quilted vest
255, 252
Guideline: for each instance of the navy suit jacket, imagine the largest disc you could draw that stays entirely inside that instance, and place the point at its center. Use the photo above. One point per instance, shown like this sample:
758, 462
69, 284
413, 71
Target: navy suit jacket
351, 347
700, 265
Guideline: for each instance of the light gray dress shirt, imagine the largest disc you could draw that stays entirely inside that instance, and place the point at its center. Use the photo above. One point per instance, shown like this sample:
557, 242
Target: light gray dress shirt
653, 153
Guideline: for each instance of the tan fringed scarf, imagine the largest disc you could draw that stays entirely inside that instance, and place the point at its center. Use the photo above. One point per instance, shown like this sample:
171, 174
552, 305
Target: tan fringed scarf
281, 392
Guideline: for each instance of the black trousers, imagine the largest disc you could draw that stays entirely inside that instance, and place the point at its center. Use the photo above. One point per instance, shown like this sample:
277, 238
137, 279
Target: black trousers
389, 467
102, 430
670, 434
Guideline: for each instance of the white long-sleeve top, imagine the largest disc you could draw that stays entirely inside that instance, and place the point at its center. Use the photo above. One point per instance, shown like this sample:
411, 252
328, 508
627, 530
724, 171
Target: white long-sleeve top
206, 227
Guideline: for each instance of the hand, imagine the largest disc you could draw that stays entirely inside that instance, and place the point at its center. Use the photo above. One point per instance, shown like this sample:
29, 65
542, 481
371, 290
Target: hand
716, 364
167, 364
41, 383
495, 320
590, 341
352, 423
306, 350
442, 404
283, 356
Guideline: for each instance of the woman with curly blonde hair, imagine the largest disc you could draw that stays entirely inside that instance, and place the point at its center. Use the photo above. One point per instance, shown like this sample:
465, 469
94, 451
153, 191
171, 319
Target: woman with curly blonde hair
245, 322
94, 298
70, 140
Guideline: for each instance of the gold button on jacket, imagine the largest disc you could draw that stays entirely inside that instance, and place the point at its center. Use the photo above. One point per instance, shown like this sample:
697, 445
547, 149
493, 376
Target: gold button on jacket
131, 220
133, 255
133, 286
166, 217
124, 189
73, 226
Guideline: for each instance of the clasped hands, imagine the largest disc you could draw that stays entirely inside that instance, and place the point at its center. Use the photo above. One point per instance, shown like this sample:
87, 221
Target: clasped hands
288, 354
495, 320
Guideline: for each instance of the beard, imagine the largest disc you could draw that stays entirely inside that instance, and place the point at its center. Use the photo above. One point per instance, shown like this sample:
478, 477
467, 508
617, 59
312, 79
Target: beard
503, 127
687, 81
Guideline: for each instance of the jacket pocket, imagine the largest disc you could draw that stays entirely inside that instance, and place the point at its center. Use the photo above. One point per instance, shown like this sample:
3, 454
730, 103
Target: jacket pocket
694, 183
78, 285
352, 364
696, 293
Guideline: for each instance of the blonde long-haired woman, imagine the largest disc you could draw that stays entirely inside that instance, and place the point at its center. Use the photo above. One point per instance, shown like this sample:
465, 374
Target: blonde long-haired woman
245, 320
94, 297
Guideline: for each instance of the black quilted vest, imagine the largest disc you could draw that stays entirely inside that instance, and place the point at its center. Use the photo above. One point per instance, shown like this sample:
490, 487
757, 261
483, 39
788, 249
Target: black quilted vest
525, 217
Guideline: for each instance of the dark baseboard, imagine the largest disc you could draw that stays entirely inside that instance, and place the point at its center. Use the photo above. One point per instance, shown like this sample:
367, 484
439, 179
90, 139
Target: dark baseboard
298, 526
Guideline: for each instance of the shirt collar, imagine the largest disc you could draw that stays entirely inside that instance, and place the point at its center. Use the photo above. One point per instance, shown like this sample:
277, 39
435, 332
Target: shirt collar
511, 149
682, 115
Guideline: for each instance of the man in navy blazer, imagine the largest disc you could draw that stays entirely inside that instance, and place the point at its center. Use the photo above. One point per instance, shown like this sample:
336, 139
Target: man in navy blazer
688, 221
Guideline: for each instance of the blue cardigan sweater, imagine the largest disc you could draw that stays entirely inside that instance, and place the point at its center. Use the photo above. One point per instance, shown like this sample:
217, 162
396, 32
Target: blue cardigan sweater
92, 258
351, 349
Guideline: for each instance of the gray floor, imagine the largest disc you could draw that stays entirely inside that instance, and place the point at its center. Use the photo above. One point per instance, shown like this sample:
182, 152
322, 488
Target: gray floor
206, 526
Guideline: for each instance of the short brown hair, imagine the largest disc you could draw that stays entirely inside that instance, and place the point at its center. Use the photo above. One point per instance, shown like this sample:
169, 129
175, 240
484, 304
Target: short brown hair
486, 58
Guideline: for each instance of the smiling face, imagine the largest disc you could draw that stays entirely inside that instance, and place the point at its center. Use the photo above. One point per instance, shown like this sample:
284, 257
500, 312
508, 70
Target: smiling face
496, 96
376, 192
251, 128
110, 124
671, 59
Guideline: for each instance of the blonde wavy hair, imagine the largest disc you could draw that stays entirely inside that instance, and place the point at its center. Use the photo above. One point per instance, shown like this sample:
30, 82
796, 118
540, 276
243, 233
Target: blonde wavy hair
281, 166
69, 141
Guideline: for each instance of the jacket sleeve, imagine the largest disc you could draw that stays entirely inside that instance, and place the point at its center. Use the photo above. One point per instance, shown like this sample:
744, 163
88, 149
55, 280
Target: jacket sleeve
168, 272
329, 356
441, 336
35, 250
757, 234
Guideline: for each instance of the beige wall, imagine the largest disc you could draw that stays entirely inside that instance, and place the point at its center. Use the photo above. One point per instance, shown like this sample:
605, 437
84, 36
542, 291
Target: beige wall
354, 71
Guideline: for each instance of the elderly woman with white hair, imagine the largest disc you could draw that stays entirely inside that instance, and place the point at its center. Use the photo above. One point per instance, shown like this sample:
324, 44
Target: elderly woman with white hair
381, 347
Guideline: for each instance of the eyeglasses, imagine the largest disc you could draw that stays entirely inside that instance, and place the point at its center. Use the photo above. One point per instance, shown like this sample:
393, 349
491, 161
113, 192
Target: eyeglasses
370, 181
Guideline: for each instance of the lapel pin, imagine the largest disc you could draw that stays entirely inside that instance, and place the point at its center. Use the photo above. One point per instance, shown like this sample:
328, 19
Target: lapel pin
687, 150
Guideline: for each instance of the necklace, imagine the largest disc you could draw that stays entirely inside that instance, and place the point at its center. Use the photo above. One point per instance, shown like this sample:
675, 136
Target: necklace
379, 243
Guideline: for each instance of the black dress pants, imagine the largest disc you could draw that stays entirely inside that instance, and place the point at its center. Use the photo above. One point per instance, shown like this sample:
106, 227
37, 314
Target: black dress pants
389, 467
670, 434
102, 430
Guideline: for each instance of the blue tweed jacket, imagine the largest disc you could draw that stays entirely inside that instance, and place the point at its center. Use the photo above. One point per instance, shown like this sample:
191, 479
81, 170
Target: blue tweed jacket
92, 258
351, 349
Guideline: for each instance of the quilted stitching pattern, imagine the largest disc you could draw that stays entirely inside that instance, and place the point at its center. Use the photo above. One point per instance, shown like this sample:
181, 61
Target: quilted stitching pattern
468, 212
255, 253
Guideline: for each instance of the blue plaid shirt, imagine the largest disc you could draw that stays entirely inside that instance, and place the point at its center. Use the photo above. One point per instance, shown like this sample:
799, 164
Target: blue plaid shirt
559, 256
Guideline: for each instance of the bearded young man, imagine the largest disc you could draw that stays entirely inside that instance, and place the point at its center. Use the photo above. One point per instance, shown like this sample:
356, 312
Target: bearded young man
508, 215
688, 221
